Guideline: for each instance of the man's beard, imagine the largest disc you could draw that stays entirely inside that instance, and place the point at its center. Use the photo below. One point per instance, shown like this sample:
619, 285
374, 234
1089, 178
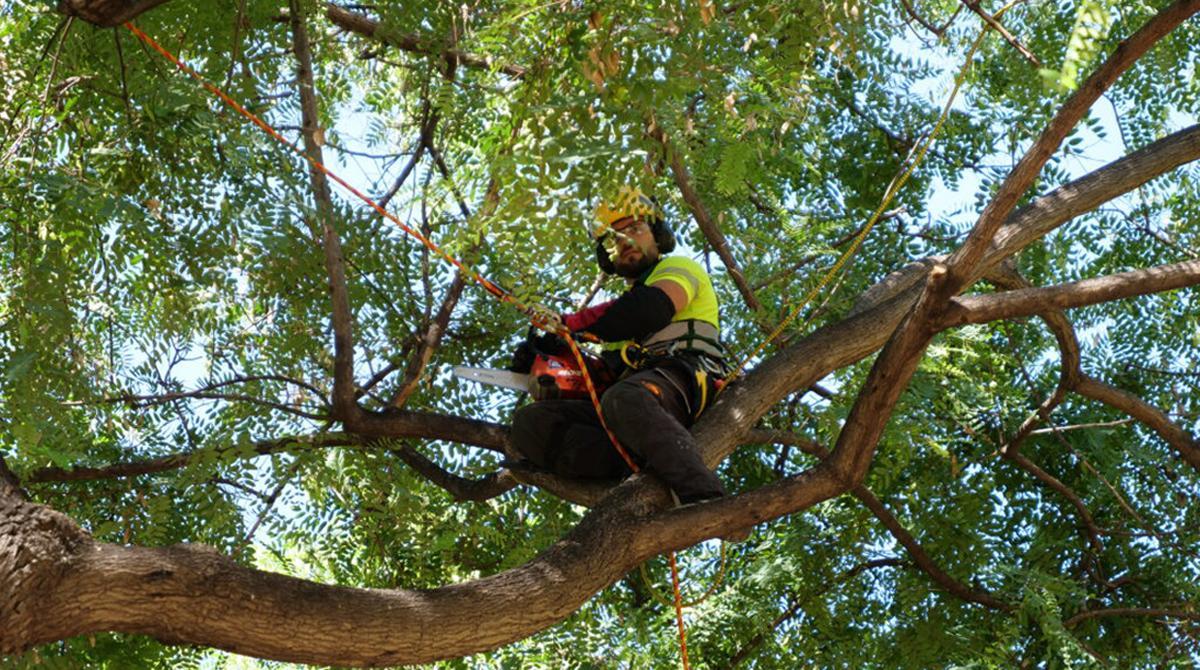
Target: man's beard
634, 268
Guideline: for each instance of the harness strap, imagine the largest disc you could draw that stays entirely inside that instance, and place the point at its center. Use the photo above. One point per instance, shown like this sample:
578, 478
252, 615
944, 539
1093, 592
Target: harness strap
686, 336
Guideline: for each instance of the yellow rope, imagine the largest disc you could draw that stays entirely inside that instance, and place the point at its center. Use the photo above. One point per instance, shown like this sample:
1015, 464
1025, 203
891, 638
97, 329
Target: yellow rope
913, 160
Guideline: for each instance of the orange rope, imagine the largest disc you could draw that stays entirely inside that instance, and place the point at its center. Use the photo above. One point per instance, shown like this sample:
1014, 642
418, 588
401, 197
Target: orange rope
595, 397
587, 380
491, 287
495, 290
679, 613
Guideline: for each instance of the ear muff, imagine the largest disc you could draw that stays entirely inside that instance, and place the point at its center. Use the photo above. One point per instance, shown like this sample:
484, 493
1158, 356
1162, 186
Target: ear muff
664, 239
603, 259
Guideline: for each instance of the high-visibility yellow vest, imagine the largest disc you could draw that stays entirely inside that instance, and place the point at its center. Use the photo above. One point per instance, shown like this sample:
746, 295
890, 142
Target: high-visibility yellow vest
694, 329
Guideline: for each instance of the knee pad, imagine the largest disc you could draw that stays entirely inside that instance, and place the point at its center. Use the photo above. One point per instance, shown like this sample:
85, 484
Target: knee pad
622, 402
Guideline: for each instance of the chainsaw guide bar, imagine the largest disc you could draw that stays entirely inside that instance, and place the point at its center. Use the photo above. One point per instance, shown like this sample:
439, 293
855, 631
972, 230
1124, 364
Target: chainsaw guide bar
502, 378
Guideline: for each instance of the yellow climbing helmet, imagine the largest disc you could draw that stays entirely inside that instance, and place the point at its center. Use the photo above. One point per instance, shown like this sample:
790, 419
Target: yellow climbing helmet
630, 201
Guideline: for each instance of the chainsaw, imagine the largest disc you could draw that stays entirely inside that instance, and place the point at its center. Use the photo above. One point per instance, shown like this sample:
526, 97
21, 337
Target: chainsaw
553, 372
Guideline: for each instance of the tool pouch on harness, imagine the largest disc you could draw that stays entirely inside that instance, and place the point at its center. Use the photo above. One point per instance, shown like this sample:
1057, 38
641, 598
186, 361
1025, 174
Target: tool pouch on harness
705, 374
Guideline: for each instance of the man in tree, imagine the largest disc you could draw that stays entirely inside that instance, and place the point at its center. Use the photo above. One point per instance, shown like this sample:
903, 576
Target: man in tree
662, 339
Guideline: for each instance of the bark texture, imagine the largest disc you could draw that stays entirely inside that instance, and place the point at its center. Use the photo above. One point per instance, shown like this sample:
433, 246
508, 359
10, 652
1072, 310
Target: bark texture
107, 13
38, 548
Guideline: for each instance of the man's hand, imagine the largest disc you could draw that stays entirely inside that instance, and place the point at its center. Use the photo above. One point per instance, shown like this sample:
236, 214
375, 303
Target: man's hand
522, 358
546, 318
535, 343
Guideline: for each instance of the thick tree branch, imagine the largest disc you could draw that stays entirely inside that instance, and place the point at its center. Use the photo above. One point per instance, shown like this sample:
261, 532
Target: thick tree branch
963, 262
1093, 190
900, 356
159, 591
107, 13
151, 466
367, 27
582, 492
88, 586
882, 307
343, 320
1152, 417
461, 488
1052, 210
1024, 302
712, 233
10, 484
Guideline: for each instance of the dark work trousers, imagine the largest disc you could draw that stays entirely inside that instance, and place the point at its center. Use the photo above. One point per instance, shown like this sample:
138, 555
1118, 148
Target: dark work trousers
648, 411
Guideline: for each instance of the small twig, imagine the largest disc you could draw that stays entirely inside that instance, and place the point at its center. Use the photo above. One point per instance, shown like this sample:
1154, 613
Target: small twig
270, 502
362, 154
436, 326
912, 13
795, 603
424, 142
919, 555
1082, 426
241, 379
1171, 373
124, 81
1121, 501
461, 488
1132, 611
143, 401
383, 374
973, 5
238, 19
592, 291
1053, 483
49, 83
794, 267
240, 486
